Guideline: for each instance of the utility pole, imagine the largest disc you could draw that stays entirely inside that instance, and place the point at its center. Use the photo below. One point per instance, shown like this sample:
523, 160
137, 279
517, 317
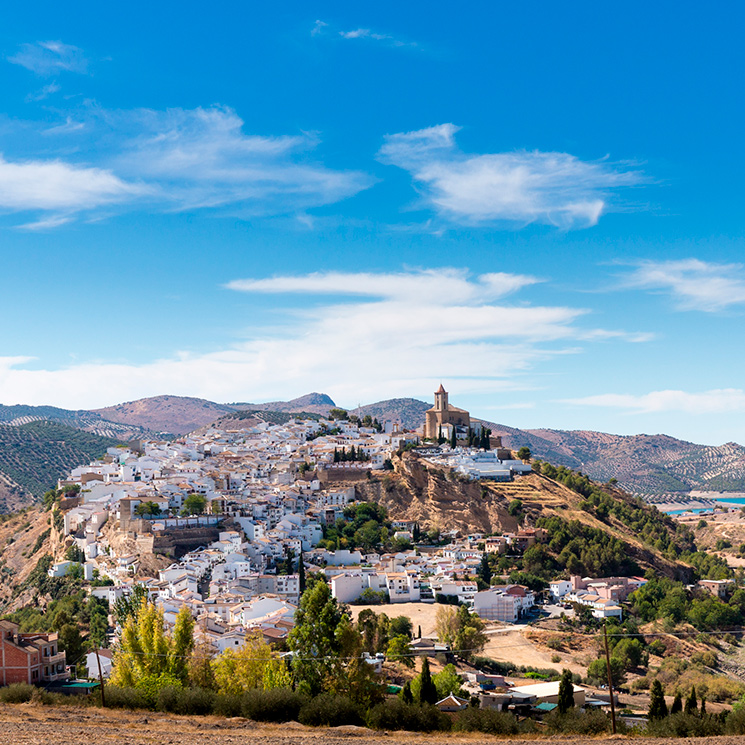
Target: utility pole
610, 677
100, 679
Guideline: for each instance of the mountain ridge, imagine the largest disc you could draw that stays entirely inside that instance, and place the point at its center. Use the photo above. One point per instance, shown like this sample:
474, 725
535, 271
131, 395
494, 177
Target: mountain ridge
641, 463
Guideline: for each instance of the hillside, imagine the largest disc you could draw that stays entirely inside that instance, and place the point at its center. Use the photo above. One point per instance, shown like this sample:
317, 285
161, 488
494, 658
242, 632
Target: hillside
171, 414
312, 403
88, 421
439, 499
33, 456
640, 463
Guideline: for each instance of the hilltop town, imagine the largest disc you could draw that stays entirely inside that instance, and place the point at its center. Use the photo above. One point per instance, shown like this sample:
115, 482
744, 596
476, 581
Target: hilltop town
229, 525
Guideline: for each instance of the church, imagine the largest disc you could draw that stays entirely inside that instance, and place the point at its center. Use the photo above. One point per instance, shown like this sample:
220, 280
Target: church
443, 415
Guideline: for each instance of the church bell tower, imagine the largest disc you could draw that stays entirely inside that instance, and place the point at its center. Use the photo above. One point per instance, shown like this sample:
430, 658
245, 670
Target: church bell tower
441, 399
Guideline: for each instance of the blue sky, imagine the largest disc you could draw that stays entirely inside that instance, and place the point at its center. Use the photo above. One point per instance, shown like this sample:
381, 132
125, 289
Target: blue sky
539, 205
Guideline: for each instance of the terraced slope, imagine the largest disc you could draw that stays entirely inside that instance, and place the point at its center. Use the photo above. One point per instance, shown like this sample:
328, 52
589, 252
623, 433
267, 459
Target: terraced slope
33, 456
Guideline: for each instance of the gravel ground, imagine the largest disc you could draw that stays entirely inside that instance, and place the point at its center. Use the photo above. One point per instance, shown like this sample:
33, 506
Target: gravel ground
26, 724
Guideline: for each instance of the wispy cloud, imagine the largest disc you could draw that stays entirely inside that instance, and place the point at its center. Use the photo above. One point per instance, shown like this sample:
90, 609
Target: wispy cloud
708, 402
321, 27
693, 284
418, 325
514, 187
43, 93
453, 285
174, 160
50, 57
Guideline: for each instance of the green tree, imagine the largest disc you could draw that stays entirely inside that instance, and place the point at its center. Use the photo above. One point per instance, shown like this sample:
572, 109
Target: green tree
401, 626
194, 504
691, 706
566, 692
469, 637
313, 641
453, 438
399, 650
406, 695
147, 508
524, 453
657, 705
484, 570
252, 666
71, 642
301, 573
597, 671
427, 688
677, 706
182, 644
127, 606
447, 681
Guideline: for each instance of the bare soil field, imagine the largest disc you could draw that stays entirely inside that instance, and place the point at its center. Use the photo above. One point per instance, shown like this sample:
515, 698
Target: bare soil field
27, 724
421, 614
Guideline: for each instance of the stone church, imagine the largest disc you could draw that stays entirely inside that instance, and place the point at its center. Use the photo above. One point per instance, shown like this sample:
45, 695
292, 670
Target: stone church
444, 413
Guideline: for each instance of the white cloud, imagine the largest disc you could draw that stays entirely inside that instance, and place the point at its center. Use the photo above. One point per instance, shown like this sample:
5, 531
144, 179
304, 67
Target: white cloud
320, 27
718, 401
694, 284
427, 285
520, 186
401, 333
59, 186
173, 160
50, 57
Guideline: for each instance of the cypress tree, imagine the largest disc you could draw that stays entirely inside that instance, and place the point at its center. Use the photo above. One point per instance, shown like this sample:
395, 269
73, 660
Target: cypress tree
406, 695
336, 455
566, 692
677, 704
657, 705
691, 706
427, 687
301, 573
703, 706
485, 569
453, 440
440, 438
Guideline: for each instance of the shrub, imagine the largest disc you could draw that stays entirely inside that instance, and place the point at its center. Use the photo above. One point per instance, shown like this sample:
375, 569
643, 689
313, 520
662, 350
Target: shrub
735, 724
394, 714
489, 721
227, 705
125, 698
578, 723
555, 658
554, 642
330, 710
16, 693
198, 701
274, 705
685, 725
657, 647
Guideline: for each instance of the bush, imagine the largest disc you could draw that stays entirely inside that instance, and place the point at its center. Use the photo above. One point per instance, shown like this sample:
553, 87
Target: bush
394, 714
330, 710
275, 705
17, 693
578, 723
227, 705
197, 701
125, 698
735, 724
685, 725
489, 721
